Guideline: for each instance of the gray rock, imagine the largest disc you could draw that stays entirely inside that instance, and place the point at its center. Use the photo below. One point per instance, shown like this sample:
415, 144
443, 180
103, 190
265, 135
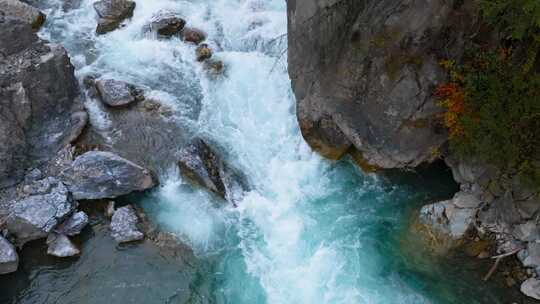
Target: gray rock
166, 24
112, 13
124, 225
200, 164
61, 246
116, 93
23, 12
451, 218
9, 259
532, 257
527, 232
531, 288
97, 175
73, 225
364, 72
35, 216
39, 105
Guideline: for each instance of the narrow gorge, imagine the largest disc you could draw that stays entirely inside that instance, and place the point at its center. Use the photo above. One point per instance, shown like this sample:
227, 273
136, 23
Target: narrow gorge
257, 151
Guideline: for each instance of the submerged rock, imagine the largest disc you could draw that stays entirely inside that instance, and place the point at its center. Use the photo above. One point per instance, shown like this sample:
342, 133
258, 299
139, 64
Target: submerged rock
203, 52
117, 93
97, 175
199, 163
193, 35
73, 225
166, 24
531, 288
23, 12
35, 216
112, 13
124, 225
61, 246
9, 259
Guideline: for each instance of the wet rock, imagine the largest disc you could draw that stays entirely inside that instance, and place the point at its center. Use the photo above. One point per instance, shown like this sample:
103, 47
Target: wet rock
167, 24
35, 216
9, 259
97, 175
112, 13
23, 12
61, 246
203, 52
214, 67
73, 225
193, 35
124, 225
117, 93
531, 288
453, 217
199, 163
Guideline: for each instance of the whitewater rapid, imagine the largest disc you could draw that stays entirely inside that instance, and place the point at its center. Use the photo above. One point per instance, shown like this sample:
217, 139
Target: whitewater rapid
310, 231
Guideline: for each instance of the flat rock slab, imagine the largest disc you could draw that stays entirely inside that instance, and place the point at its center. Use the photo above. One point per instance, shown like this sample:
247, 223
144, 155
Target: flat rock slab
61, 246
35, 216
124, 225
111, 13
97, 175
9, 259
115, 93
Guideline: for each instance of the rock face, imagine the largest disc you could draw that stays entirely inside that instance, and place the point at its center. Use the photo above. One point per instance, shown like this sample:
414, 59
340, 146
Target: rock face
24, 12
61, 246
116, 93
363, 73
97, 175
124, 225
35, 216
112, 13
40, 109
9, 259
199, 163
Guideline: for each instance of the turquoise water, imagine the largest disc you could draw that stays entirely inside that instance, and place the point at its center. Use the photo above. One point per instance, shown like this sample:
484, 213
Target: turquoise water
310, 231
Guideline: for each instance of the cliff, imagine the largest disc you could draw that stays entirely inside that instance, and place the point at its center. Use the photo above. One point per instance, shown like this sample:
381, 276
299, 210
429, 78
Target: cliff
364, 74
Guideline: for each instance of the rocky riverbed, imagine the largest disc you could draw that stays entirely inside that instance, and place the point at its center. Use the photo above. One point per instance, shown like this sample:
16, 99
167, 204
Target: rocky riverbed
186, 109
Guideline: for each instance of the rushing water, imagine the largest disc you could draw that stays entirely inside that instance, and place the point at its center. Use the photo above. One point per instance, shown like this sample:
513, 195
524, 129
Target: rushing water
310, 231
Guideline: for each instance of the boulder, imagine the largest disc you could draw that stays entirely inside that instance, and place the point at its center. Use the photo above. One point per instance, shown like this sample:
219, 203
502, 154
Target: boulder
203, 52
98, 175
531, 257
531, 288
61, 246
452, 217
74, 224
23, 12
193, 35
124, 225
527, 232
9, 259
112, 13
40, 108
115, 93
200, 164
38, 214
214, 67
166, 24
